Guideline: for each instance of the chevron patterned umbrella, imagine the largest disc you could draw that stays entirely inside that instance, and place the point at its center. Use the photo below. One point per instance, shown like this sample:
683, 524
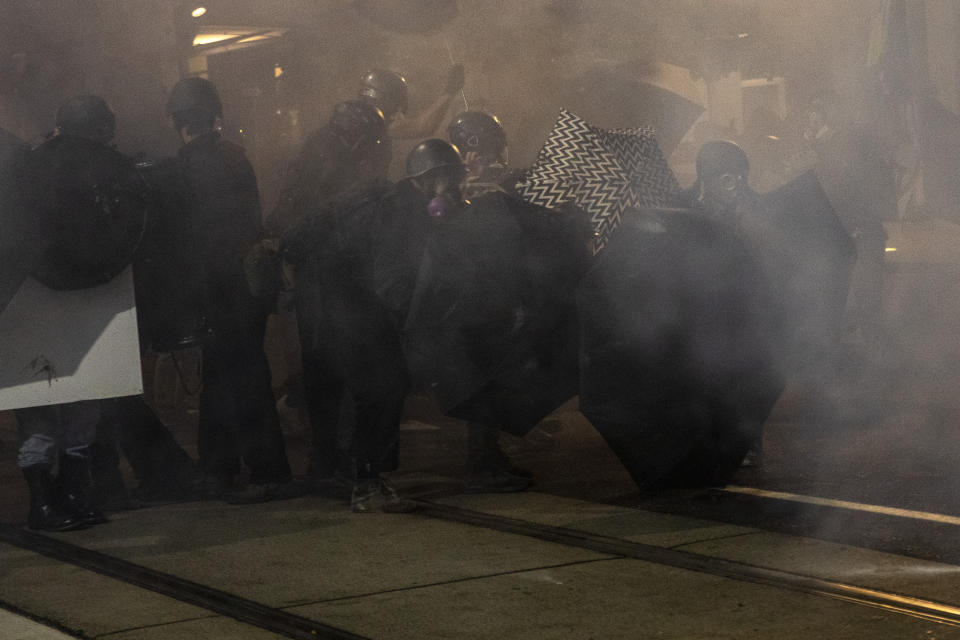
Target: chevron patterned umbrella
603, 172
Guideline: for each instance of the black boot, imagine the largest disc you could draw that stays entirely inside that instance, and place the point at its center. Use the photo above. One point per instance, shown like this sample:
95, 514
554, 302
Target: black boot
486, 472
45, 514
76, 488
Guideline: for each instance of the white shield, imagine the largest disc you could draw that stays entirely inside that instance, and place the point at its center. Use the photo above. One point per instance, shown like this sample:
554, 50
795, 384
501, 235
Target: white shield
65, 346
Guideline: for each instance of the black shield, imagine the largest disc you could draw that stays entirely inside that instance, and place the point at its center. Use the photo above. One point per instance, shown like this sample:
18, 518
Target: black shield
89, 205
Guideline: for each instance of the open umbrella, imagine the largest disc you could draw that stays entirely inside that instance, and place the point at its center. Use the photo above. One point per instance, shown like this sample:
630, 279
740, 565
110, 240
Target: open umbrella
492, 325
603, 172
677, 371
808, 258
617, 95
688, 330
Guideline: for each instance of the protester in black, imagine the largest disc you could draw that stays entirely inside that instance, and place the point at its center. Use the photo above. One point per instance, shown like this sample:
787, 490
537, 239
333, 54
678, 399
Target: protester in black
359, 259
345, 154
238, 419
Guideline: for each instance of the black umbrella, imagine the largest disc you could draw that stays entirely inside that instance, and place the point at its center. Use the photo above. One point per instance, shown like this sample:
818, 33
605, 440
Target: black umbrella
620, 95
492, 325
677, 367
808, 258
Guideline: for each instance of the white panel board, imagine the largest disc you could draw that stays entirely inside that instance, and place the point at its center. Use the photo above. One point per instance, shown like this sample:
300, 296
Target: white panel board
64, 346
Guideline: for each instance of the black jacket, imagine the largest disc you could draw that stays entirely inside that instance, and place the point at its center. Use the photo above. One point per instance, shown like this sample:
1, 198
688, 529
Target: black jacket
223, 205
323, 169
365, 245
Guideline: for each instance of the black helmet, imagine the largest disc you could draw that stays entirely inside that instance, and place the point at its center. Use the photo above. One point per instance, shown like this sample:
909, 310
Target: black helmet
718, 157
478, 131
358, 123
195, 94
386, 89
88, 117
432, 154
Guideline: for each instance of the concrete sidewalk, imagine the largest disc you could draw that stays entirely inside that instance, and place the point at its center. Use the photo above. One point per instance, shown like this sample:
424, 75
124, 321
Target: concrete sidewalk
413, 576
17, 627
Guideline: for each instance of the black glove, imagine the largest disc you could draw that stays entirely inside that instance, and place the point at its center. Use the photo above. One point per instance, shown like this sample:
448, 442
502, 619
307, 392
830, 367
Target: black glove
454, 79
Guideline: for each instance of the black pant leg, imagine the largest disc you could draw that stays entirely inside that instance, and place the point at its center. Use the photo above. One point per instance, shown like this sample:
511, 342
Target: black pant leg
151, 450
323, 391
108, 485
216, 428
238, 414
379, 390
261, 443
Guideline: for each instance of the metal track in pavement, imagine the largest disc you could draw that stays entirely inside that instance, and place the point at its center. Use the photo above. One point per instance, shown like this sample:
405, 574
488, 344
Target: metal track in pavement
930, 610
226, 604
293, 626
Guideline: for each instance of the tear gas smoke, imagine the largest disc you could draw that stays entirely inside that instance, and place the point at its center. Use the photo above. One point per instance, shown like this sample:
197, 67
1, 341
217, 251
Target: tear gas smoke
617, 63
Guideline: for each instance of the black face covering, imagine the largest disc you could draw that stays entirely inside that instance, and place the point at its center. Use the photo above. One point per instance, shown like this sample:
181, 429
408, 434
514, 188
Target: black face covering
724, 191
728, 181
442, 187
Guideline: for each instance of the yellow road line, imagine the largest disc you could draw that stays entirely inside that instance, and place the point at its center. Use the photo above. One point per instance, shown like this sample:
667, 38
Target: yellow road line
845, 504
